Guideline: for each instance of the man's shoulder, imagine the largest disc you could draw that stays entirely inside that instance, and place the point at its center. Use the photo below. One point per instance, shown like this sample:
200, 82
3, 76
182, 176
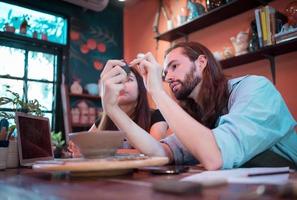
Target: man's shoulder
248, 80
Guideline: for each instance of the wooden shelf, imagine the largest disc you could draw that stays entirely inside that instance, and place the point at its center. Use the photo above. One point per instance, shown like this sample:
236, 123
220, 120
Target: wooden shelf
212, 17
86, 96
34, 42
66, 101
79, 125
263, 53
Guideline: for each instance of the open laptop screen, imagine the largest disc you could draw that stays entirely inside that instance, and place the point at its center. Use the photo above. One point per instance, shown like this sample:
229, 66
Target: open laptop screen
33, 138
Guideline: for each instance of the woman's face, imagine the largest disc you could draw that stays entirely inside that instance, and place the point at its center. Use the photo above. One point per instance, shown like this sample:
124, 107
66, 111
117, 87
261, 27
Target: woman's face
129, 93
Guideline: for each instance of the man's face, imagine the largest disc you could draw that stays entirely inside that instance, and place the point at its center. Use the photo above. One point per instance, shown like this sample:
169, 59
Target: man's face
181, 74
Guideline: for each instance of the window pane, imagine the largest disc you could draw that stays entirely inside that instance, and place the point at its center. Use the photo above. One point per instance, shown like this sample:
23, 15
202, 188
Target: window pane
49, 116
40, 66
31, 23
15, 86
12, 61
43, 92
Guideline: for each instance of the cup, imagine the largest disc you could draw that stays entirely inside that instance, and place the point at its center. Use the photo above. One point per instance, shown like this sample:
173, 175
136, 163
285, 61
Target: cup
75, 115
170, 24
12, 155
3, 157
181, 19
92, 89
92, 115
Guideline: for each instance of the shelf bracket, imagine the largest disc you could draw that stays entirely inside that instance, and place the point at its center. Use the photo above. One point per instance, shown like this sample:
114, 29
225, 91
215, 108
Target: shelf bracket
272, 66
184, 35
262, 2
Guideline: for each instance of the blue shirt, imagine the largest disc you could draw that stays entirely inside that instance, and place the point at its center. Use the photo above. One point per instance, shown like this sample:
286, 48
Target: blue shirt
258, 120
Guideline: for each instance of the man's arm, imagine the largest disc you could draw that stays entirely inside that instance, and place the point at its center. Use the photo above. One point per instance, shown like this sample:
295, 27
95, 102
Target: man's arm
197, 138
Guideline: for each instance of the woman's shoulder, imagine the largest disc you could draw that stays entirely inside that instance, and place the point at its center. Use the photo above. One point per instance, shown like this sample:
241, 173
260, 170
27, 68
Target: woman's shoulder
156, 116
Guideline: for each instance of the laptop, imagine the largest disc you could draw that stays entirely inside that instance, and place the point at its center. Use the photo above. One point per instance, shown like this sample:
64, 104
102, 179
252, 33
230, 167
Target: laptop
34, 138
35, 146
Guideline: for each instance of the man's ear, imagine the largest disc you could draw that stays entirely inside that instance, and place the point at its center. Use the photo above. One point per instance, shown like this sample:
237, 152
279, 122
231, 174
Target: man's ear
201, 62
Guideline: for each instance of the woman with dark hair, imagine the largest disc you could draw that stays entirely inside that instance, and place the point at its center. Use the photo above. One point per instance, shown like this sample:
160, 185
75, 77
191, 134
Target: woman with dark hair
132, 99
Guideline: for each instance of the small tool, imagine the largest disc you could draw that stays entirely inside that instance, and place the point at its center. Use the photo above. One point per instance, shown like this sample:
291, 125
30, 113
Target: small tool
127, 69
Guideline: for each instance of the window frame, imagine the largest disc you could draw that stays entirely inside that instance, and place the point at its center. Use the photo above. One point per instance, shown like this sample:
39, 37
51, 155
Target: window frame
19, 42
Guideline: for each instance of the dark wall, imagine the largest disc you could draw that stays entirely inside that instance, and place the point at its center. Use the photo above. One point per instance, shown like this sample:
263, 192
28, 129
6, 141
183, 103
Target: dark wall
94, 38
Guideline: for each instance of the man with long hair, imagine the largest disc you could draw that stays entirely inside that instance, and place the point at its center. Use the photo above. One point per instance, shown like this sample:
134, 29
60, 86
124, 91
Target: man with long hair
217, 122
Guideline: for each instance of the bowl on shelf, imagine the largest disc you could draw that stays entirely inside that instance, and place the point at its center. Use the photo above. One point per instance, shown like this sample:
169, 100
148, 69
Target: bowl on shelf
97, 145
92, 89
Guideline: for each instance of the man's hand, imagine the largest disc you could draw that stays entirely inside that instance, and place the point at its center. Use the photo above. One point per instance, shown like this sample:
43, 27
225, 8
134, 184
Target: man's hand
150, 70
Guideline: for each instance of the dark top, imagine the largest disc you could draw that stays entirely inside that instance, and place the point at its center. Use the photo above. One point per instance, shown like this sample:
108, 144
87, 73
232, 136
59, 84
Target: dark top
156, 116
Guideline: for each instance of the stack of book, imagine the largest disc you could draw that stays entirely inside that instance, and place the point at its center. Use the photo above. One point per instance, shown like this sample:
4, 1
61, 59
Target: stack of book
287, 35
269, 23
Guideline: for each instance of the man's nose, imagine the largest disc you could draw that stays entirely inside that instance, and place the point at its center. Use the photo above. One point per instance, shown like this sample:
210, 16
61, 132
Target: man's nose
168, 76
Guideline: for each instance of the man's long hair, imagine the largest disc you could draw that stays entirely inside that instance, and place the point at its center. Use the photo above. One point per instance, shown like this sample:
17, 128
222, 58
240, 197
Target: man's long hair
141, 114
213, 96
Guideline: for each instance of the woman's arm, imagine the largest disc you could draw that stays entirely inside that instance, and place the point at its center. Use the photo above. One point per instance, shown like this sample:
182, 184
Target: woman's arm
159, 130
137, 136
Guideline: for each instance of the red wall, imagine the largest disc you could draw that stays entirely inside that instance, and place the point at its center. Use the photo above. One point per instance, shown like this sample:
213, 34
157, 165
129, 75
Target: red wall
139, 37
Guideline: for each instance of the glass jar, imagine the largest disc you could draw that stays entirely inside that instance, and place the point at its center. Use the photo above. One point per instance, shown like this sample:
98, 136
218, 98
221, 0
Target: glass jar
211, 4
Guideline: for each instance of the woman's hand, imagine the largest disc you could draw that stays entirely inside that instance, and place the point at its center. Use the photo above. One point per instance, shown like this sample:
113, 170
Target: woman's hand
74, 150
111, 83
150, 70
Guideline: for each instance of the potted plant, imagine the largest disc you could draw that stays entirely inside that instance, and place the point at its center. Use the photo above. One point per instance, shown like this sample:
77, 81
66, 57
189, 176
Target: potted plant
58, 143
32, 107
19, 105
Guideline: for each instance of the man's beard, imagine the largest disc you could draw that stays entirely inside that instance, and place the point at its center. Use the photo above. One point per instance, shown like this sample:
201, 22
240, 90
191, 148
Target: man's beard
188, 85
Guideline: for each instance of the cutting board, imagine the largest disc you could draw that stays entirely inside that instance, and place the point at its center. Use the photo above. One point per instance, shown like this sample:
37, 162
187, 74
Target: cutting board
99, 167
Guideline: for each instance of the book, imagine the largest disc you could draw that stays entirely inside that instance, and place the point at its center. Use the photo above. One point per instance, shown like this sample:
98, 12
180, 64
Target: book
263, 26
286, 36
258, 24
272, 24
268, 27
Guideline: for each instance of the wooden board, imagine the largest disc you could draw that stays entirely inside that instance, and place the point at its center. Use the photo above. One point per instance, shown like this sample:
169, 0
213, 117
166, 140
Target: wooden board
99, 166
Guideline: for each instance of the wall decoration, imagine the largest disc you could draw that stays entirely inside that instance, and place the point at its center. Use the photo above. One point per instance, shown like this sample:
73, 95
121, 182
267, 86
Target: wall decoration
94, 39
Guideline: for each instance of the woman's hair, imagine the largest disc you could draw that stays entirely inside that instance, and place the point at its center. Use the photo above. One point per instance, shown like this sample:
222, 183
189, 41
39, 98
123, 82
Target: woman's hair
141, 114
214, 94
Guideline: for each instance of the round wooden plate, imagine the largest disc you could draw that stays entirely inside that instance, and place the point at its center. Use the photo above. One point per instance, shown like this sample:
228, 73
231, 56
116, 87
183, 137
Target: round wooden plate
100, 167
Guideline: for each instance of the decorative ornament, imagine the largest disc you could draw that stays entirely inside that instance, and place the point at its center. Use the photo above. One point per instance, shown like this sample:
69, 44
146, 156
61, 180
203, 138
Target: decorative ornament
24, 26
291, 13
76, 88
74, 36
240, 43
91, 43
101, 47
84, 49
97, 65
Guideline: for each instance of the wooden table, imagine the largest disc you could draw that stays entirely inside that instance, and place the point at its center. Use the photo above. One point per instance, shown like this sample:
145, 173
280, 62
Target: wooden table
24, 183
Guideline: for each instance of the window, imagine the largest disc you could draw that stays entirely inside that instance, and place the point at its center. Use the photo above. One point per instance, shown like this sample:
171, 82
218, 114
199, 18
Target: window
32, 74
32, 44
